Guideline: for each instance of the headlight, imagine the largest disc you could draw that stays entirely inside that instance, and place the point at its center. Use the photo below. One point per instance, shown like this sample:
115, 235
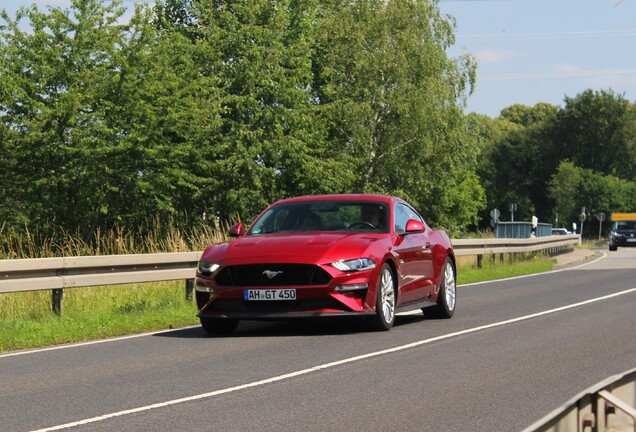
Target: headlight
358, 264
207, 268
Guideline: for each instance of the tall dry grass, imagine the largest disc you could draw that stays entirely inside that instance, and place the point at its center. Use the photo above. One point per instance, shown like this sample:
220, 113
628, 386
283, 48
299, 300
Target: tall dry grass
31, 243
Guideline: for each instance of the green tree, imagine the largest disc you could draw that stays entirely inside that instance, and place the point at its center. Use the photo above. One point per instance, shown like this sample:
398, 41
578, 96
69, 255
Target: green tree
270, 143
564, 191
394, 103
216, 107
524, 115
518, 161
595, 131
54, 74
574, 187
166, 112
104, 118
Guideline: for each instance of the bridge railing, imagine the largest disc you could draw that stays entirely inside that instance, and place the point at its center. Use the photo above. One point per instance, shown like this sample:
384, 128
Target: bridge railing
609, 406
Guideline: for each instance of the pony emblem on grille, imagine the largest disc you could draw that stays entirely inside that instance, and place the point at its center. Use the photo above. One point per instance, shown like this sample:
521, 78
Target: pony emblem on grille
271, 274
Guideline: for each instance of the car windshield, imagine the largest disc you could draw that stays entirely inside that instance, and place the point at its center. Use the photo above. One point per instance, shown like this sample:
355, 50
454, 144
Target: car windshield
323, 216
625, 225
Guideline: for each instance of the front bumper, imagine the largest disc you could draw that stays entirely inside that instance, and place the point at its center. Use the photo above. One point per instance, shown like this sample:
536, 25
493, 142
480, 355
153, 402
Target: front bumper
622, 241
311, 301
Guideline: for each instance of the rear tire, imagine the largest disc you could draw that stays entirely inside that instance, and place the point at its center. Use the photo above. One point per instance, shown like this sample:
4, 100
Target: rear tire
447, 296
385, 300
219, 326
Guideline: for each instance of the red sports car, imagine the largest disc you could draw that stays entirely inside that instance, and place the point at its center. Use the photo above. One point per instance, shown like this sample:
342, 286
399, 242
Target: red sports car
327, 255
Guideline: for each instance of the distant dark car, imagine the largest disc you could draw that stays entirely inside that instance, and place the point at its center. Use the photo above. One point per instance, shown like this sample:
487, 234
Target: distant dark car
560, 231
328, 256
623, 234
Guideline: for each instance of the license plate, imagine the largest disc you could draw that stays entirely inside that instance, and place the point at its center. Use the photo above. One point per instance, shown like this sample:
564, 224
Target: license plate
269, 294
631, 240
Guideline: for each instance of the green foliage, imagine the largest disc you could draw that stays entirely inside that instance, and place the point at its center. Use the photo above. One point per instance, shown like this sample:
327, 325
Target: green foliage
394, 101
517, 163
268, 146
219, 108
53, 78
552, 161
595, 131
564, 189
574, 187
95, 111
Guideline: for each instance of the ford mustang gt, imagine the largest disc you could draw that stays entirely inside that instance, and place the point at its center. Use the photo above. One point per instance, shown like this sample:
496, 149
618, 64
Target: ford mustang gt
327, 256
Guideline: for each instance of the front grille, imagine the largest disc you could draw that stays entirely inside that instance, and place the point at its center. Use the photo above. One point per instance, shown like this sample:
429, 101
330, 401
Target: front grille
256, 275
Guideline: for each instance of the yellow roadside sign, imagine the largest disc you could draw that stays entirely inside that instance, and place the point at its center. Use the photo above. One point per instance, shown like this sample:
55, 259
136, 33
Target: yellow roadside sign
623, 216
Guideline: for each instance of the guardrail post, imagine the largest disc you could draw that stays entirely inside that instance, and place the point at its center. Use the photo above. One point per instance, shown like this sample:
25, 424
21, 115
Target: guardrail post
479, 259
189, 289
57, 296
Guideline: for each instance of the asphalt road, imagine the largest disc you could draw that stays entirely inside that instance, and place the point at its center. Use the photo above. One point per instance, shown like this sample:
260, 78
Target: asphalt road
513, 352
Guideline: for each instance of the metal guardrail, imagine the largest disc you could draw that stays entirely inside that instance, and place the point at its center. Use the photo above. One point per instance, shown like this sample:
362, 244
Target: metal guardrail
488, 246
71, 272
609, 406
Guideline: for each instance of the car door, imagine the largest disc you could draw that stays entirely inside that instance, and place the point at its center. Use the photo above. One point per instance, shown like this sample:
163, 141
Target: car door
414, 258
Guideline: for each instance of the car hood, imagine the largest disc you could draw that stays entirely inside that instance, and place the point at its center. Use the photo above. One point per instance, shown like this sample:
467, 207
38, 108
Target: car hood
292, 248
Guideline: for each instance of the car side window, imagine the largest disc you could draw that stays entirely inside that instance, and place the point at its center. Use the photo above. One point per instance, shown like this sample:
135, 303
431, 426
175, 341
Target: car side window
402, 214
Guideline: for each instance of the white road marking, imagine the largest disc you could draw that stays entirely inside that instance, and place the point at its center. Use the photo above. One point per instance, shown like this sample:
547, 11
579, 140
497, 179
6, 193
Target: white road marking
94, 342
329, 365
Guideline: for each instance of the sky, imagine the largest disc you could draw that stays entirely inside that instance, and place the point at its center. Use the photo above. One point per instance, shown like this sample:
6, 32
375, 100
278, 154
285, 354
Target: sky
530, 51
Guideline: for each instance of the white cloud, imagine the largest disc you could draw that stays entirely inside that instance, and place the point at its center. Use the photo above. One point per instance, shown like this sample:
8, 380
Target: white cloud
493, 56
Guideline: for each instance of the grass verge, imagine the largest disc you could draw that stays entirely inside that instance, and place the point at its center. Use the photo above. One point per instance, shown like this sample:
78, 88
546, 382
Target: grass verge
493, 270
26, 320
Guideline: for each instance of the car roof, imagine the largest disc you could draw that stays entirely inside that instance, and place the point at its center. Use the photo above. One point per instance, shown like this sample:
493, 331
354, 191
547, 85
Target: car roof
341, 197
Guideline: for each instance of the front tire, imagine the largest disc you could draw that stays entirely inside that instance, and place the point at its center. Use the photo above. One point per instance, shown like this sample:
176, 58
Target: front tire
612, 248
219, 326
384, 301
447, 296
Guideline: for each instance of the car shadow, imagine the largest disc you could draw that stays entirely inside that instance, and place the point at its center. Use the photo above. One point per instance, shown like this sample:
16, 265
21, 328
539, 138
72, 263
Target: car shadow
289, 328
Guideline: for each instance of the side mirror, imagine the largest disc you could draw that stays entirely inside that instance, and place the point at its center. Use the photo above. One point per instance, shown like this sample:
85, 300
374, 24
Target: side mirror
413, 225
236, 230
